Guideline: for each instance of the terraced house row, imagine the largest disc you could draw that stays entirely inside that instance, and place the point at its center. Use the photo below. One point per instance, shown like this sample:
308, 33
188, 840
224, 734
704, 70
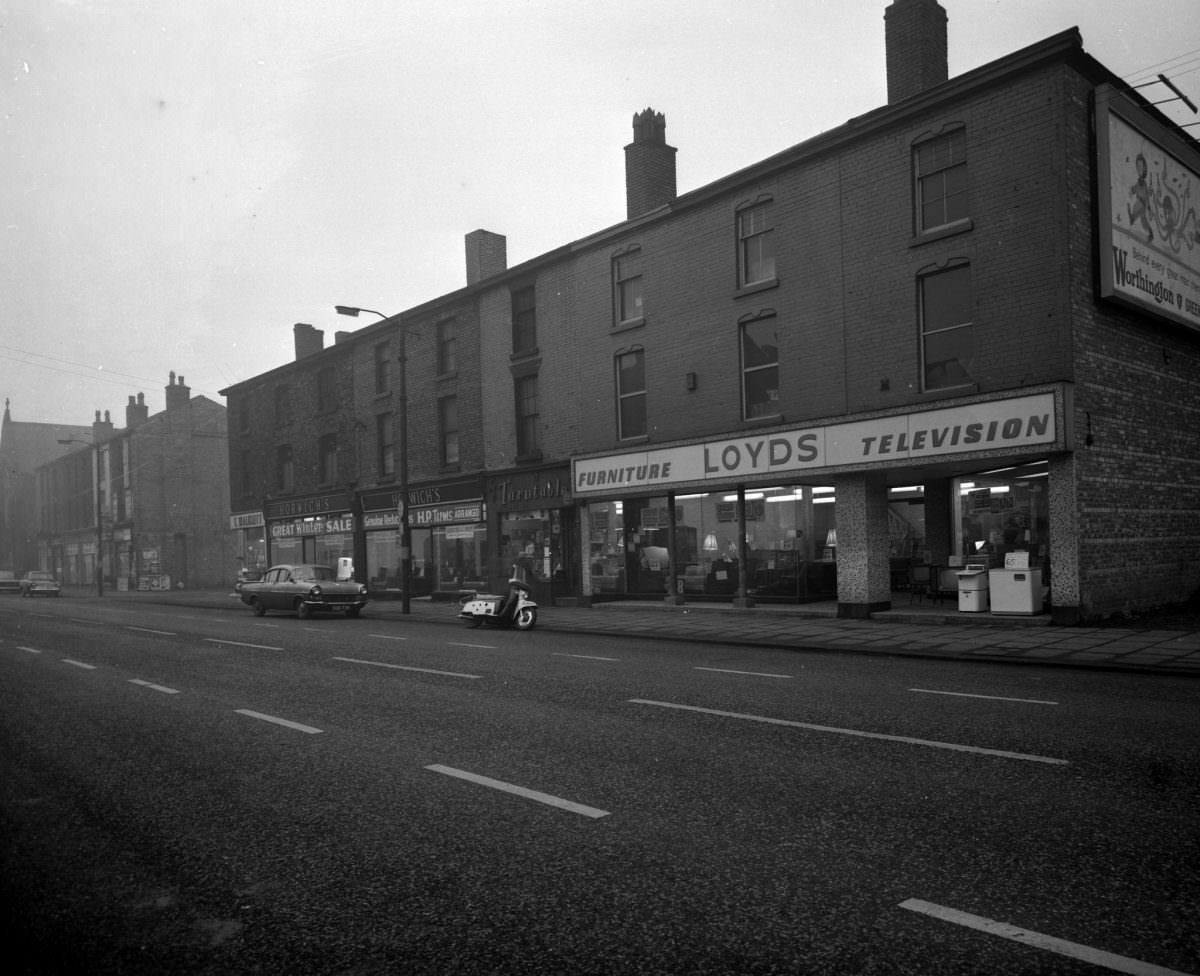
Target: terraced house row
961, 329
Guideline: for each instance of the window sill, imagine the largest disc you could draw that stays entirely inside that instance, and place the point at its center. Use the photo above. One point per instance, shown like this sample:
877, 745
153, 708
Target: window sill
764, 418
641, 439
521, 355
382, 394
758, 286
535, 458
941, 233
628, 326
448, 375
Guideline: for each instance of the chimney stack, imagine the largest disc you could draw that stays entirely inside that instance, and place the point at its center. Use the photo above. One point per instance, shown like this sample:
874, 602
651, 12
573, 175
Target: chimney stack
309, 339
915, 39
487, 255
178, 394
102, 430
649, 165
136, 411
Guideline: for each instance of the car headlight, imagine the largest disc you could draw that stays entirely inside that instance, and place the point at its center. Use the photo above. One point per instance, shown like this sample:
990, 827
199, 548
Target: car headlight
315, 592
362, 589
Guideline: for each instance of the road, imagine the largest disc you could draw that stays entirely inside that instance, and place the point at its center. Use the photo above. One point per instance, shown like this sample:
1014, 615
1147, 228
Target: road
193, 791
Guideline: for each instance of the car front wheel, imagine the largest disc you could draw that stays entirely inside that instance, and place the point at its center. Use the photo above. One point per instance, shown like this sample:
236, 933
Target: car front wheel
303, 610
257, 607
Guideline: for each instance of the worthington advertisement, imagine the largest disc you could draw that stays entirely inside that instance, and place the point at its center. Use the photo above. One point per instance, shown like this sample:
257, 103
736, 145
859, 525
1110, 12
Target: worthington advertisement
999, 424
1149, 225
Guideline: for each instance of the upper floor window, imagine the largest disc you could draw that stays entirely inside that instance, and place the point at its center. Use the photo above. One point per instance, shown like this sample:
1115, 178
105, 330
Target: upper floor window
383, 379
246, 463
284, 469
524, 320
760, 367
627, 287
947, 336
528, 428
326, 398
327, 459
448, 429
385, 447
631, 394
940, 168
756, 245
283, 406
447, 346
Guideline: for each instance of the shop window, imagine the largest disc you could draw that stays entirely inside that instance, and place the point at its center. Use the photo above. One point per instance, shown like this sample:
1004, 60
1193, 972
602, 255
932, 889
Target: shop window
627, 287
382, 374
528, 426
448, 429
631, 394
385, 445
327, 459
283, 406
524, 320
447, 347
326, 398
940, 172
756, 245
284, 468
760, 367
1001, 512
947, 333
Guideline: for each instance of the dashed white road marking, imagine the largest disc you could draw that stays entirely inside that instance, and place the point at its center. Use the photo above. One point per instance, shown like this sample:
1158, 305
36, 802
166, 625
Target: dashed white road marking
256, 647
387, 637
153, 687
401, 667
78, 664
963, 694
584, 657
495, 784
279, 721
753, 674
906, 739
147, 630
1095, 957
31, 650
483, 647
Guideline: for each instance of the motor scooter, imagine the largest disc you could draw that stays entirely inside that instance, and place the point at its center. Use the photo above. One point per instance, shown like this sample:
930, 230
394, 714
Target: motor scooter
514, 610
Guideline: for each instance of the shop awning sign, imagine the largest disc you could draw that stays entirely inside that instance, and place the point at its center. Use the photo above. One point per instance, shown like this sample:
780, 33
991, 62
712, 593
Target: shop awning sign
1001, 425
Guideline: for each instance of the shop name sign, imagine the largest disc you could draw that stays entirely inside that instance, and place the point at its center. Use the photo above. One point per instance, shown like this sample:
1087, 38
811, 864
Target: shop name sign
312, 526
1000, 424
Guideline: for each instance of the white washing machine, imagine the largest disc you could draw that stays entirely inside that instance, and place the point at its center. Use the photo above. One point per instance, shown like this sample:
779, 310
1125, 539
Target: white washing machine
1016, 590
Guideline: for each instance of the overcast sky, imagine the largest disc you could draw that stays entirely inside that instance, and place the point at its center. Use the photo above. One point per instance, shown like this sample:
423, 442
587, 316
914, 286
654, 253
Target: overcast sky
185, 179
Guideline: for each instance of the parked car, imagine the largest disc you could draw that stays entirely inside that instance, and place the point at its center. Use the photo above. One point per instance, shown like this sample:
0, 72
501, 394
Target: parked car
39, 582
304, 589
9, 582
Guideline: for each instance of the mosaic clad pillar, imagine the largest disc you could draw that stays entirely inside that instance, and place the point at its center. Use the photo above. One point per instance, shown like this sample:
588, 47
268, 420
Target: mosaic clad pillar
863, 564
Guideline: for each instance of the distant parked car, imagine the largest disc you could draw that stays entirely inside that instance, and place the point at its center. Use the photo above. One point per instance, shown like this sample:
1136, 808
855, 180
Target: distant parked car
304, 589
246, 576
9, 582
39, 583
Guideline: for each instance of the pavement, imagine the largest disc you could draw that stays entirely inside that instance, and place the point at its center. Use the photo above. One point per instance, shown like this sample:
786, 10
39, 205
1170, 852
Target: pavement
914, 629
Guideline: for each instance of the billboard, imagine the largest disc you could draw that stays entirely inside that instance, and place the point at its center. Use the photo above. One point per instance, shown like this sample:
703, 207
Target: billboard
1149, 212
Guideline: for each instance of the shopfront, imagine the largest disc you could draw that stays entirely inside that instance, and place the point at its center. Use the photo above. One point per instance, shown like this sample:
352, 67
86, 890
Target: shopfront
822, 512
314, 529
534, 524
447, 522
249, 531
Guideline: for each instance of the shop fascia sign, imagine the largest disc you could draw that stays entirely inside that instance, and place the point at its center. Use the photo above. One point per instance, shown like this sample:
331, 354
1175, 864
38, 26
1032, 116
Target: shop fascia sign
312, 526
993, 425
247, 520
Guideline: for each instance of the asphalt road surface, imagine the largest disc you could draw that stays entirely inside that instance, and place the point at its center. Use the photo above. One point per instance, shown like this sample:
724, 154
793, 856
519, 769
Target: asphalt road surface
186, 791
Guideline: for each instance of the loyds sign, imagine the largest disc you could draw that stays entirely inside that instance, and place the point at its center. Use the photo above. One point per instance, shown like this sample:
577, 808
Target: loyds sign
1020, 422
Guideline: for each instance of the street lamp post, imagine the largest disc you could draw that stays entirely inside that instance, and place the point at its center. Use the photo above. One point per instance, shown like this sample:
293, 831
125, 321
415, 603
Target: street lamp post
99, 519
405, 534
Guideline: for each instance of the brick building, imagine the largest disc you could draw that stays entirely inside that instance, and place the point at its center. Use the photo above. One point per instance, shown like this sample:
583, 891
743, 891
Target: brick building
960, 330
160, 485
